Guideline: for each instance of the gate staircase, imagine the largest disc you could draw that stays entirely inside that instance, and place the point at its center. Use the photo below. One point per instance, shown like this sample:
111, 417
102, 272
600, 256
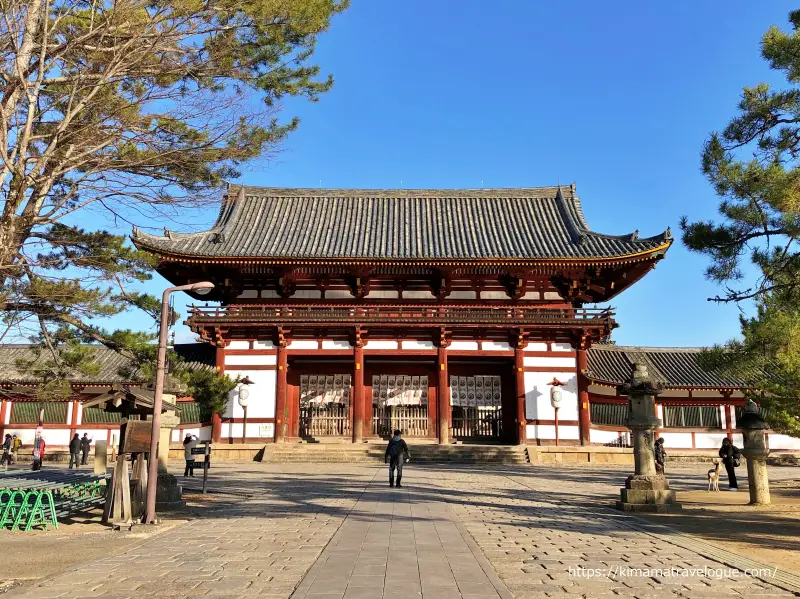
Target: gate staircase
372, 453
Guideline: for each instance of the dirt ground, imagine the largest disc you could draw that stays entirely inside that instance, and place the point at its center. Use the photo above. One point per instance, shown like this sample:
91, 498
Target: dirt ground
38, 554
769, 534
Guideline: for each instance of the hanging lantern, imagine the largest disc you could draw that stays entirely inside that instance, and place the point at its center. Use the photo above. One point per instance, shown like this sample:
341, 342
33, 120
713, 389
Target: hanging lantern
555, 392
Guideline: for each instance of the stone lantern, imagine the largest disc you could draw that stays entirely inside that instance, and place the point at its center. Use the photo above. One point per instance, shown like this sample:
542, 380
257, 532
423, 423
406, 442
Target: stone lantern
646, 490
755, 450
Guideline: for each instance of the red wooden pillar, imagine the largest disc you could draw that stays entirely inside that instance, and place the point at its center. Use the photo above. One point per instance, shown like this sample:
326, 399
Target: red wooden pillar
281, 407
729, 417
216, 419
358, 393
584, 417
443, 396
4, 407
74, 419
519, 376
216, 427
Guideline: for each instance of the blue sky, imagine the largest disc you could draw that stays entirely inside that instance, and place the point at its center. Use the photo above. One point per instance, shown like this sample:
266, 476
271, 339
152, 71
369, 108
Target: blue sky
617, 97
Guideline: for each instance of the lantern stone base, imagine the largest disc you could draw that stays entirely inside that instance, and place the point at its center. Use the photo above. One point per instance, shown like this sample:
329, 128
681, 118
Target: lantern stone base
647, 493
168, 492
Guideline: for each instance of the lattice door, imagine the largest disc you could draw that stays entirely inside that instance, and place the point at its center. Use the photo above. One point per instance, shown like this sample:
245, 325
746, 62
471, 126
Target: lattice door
324, 405
476, 407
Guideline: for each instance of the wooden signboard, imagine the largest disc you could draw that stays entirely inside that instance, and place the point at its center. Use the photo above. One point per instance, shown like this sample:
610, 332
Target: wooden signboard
136, 436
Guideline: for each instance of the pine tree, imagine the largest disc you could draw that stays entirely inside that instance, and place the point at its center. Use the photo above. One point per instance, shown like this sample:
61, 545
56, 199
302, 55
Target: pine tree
129, 110
754, 166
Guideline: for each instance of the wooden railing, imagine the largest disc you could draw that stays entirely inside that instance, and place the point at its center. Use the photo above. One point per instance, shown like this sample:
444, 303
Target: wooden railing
411, 315
411, 420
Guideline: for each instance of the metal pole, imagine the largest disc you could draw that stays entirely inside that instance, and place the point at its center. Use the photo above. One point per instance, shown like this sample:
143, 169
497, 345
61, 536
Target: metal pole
206, 458
244, 425
556, 427
161, 358
152, 476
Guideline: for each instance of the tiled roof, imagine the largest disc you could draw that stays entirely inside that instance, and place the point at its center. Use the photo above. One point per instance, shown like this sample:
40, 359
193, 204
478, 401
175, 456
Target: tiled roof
675, 367
196, 355
406, 224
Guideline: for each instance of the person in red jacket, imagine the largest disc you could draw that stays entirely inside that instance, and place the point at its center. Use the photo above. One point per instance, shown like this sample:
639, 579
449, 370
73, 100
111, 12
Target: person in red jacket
38, 449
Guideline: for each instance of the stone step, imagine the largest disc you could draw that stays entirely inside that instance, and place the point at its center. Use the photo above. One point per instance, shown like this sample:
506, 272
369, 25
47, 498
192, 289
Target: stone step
374, 453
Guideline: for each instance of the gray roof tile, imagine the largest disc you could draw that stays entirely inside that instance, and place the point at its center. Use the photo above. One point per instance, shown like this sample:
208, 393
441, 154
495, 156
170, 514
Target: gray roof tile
196, 355
675, 367
456, 224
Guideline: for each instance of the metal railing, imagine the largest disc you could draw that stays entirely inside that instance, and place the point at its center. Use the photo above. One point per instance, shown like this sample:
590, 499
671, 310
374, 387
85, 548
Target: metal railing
413, 315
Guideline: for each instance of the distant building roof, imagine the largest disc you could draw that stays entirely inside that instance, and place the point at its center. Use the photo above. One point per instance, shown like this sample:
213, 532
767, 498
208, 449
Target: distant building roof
196, 355
402, 224
675, 367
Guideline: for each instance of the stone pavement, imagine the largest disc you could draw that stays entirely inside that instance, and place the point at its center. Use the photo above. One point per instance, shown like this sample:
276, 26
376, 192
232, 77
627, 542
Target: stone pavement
337, 531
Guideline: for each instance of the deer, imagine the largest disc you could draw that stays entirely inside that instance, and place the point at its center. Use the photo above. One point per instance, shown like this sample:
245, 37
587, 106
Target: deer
713, 476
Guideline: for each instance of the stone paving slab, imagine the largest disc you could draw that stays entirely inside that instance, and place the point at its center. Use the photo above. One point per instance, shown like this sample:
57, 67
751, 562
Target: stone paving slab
338, 531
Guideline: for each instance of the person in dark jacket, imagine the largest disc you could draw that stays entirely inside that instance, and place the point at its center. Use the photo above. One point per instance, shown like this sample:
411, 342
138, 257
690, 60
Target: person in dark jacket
395, 452
75, 451
86, 444
660, 454
6, 451
730, 455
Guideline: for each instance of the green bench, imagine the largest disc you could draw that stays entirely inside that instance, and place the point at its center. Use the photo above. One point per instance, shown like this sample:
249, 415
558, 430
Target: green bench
39, 499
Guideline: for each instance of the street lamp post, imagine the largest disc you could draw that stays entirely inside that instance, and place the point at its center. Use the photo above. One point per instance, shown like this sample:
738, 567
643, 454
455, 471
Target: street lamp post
161, 358
243, 401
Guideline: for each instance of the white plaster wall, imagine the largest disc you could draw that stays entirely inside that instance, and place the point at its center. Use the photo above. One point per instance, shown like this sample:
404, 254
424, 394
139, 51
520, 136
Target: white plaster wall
537, 396
69, 412
777, 442
303, 344
537, 346
462, 345
307, 294
549, 362
248, 294
723, 417
239, 344
380, 344
548, 431
80, 413
269, 294
333, 344
338, 294
52, 436
495, 346
604, 437
416, 344
257, 360
261, 401
676, 440
253, 430
382, 293
501, 295
462, 295
531, 295
707, 440
563, 347
552, 295
8, 413
263, 345
417, 294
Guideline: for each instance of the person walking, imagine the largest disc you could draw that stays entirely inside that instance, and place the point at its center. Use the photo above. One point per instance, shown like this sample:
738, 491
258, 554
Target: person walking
38, 449
660, 454
86, 444
395, 451
6, 459
74, 451
730, 455
16, 443
189, 443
